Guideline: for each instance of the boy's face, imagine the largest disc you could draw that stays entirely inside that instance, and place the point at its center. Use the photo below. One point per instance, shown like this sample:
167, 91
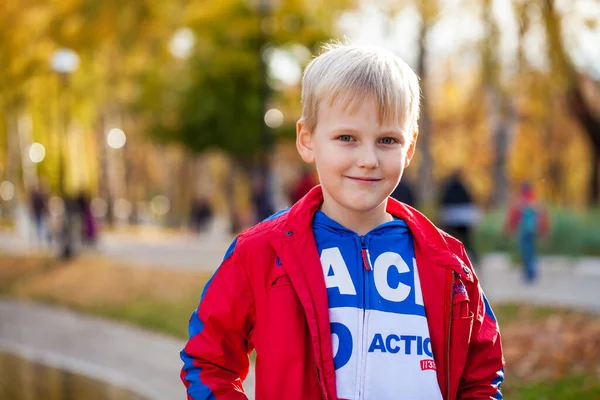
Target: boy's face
359, 161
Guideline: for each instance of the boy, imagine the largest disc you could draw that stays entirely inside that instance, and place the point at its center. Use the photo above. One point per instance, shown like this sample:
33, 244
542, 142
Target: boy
529, 220
349, 294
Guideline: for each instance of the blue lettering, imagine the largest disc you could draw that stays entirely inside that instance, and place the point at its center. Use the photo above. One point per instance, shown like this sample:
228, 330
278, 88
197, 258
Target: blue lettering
393, 287
388, 344
427, 347
344, 351
377, 344
391, 344
407, 343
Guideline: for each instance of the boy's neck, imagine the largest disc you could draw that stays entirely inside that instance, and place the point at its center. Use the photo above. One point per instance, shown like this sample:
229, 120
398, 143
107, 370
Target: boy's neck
361, 223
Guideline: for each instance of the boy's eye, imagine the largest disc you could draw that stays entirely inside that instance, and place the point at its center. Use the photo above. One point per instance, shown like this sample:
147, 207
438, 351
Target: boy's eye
389, 140
345, 138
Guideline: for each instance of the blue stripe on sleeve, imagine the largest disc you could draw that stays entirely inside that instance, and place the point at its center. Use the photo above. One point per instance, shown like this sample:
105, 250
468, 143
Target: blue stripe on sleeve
196, 325
197, 390
488, 309
497, 382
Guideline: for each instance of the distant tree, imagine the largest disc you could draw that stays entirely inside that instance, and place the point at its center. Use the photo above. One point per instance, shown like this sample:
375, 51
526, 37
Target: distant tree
223, 101
572, 82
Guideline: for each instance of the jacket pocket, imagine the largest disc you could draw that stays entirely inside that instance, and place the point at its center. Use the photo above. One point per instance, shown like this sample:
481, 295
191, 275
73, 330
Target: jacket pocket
280, 280
286, 343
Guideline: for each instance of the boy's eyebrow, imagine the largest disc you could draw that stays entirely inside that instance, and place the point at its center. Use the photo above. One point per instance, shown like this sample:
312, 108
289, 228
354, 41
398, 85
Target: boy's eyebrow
345, 129
354, 130
392, 132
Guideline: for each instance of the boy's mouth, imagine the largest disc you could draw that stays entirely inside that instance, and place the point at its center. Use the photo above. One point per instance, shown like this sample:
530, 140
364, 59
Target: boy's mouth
363, 179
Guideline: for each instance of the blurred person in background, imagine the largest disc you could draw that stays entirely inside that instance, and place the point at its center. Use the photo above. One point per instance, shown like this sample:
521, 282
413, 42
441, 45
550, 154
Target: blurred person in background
302, 186
404, 193
261, 198
528, 220
39, 212
201, 213
459, 212
88, 227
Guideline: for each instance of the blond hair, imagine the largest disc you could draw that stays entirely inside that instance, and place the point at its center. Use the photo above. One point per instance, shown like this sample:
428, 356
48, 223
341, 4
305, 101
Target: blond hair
349, 73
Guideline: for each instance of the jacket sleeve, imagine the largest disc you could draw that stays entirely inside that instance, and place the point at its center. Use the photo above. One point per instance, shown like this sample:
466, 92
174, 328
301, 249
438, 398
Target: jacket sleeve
216, 356
484, 369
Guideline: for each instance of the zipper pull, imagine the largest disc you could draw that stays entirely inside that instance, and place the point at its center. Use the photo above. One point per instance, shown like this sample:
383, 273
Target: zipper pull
364, 252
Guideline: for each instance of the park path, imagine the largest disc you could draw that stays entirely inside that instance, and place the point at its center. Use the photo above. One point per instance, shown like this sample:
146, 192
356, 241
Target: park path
149, 363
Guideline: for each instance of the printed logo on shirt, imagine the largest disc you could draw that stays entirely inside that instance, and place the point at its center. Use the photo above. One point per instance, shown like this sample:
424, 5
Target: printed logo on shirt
391, 344
392, 286
428, 364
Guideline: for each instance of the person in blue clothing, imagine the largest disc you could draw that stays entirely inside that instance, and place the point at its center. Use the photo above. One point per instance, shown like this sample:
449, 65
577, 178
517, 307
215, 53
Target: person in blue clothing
528, 220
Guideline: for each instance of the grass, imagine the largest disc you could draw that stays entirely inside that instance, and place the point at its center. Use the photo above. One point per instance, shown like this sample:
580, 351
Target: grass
551, 353
572, 387
157, 299
510, 313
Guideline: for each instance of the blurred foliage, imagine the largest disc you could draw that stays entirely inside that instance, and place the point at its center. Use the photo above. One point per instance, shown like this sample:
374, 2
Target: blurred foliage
129, 78
573, 233
220, 103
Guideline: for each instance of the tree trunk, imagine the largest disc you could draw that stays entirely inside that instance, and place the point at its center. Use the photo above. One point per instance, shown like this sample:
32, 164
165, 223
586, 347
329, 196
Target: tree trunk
575, 97
591, 126
425, 190
30, 178
595, 179
502, 126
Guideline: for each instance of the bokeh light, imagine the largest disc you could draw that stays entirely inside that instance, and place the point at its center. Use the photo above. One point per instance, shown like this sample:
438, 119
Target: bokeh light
99, 207
284, 66
116, 138
274, 118
122, 209
160, 205
37, 152
64, 61
182, 43
7, 191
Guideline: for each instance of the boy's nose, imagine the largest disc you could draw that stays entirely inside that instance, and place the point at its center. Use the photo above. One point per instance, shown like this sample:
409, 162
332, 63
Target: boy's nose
368, 157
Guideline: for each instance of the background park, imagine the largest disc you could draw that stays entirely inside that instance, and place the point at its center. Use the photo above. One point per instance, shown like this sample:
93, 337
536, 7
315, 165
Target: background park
137, 138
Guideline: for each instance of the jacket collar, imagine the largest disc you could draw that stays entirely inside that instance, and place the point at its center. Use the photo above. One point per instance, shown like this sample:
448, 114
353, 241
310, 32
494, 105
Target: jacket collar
426, 235
298, 247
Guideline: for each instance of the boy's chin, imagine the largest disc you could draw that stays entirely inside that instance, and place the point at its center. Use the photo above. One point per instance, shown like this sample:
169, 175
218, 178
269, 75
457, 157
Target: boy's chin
364, 205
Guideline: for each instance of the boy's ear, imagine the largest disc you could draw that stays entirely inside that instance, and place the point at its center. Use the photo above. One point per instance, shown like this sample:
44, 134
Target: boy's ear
304, 142
411, 150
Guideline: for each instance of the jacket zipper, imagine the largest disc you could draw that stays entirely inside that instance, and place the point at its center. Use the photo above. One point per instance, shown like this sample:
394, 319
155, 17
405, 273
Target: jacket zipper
364, 253
366, 259
449, 334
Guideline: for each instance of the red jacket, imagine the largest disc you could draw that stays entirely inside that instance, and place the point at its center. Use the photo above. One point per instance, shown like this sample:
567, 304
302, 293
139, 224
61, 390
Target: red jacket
283, 313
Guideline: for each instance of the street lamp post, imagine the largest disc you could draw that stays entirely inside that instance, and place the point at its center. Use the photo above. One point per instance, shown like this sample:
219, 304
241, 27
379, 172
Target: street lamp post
64, 62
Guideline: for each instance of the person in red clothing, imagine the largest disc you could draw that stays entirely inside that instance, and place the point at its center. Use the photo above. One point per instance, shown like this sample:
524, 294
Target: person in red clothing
349, 294
305, 182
